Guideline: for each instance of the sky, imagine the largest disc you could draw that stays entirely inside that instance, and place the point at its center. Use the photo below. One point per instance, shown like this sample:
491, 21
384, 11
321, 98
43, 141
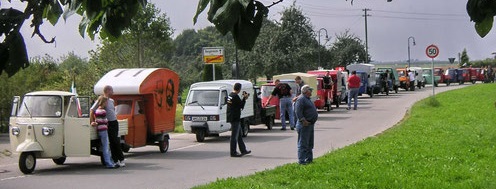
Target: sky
444, 23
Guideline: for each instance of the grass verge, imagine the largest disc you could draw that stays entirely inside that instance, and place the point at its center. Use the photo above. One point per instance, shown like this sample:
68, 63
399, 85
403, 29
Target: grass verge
447, 141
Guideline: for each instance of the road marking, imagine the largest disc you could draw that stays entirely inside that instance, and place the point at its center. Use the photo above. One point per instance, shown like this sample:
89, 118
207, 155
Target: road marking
11, 178
190, 146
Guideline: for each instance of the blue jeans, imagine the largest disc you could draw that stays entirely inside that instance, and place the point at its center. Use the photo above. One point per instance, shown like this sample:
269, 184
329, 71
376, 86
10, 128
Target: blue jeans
305, 142
353, 94
236, 138
104, 139
286, 107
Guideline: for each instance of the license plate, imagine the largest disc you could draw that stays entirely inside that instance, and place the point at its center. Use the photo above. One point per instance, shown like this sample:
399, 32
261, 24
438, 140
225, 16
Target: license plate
199, 119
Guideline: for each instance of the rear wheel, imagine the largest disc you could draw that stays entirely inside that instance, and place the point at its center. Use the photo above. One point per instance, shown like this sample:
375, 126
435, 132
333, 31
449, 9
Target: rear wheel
163, 145
269, 122
59, 161
245, 127
338, 101
27, 162
125, 147
200, 135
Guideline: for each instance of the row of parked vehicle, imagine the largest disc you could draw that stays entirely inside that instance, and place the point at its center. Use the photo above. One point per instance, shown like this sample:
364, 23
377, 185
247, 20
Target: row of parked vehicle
55, 124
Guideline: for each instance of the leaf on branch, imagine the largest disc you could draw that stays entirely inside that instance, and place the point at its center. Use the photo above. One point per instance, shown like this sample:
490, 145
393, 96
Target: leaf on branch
17, 54
485, 26
202, 4
243, 18
52, 12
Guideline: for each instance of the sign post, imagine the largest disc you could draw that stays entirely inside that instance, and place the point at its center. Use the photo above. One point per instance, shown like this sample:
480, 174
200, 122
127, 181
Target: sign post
432, 51
213, 55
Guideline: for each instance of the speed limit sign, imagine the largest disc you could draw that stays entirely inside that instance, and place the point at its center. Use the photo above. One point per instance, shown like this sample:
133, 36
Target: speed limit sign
432, 51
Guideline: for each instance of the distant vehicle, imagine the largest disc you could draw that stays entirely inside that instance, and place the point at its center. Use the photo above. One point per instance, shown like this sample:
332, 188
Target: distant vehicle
443, 78
455, 75
469, 75
419, 79
366, 72
394, 80
266, 91
427, 74
403, 77
338, 89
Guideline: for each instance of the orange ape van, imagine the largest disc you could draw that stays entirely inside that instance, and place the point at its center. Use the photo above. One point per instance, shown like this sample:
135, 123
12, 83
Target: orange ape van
147, 98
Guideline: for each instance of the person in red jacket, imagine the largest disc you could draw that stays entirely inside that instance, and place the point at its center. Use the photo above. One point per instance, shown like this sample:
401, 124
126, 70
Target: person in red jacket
353, 86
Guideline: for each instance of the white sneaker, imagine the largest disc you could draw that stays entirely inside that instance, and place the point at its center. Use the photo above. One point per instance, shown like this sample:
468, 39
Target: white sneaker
121, 163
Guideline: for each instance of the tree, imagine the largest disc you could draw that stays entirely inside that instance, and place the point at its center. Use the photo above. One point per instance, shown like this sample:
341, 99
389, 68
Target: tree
146, 43
293, 45
106, 17
348, 49
465, 61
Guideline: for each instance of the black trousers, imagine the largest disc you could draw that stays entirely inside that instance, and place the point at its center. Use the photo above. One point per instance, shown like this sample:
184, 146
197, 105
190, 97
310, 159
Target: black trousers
115, 141
236, 138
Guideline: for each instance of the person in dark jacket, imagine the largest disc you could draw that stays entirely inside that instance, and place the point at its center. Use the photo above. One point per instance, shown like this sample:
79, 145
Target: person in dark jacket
307, 115
234, 107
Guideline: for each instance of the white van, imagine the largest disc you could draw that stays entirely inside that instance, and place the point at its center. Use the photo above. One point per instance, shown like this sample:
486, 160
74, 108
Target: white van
205, 108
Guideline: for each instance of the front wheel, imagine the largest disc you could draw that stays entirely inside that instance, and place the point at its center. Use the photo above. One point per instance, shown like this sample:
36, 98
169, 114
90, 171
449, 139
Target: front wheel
200, 135
27, 162
163, 145
59, 161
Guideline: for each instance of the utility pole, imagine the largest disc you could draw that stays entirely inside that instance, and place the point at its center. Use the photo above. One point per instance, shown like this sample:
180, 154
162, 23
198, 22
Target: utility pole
366, 36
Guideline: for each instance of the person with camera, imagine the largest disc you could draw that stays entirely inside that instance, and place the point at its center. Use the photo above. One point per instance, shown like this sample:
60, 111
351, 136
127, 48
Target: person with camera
234, 107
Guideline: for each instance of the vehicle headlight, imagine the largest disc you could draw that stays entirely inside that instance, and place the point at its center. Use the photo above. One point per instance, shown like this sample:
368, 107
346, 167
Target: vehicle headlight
15, 131
46, 131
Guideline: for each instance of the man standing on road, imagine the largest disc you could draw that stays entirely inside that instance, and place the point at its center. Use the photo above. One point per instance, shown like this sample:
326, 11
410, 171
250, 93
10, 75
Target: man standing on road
283, 91
234, 107
306, 114
353, 86
411, 75
113, 126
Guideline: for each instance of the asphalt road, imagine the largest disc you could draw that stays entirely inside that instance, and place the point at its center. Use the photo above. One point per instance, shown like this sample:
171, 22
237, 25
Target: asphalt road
189, 163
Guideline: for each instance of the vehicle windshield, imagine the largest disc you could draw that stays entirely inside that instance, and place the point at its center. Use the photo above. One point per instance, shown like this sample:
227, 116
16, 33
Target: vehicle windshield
203, 98
40, 106
267, 90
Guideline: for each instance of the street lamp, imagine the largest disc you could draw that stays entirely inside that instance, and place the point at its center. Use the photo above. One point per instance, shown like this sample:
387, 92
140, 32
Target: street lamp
413, 40
327, 38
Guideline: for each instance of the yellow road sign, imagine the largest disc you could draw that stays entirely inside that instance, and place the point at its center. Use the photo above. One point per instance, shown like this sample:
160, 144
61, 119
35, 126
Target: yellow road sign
213, 55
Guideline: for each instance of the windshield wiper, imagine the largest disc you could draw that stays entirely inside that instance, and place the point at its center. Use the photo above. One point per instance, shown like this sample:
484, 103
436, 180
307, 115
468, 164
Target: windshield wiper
27, 109
196, 103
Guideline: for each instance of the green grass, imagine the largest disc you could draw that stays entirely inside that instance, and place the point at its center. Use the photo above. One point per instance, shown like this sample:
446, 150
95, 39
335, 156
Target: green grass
445, 142
179, 113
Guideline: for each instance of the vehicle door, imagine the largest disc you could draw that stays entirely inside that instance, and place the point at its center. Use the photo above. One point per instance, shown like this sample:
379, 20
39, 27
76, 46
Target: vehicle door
223, 107
76, 128
140, 123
